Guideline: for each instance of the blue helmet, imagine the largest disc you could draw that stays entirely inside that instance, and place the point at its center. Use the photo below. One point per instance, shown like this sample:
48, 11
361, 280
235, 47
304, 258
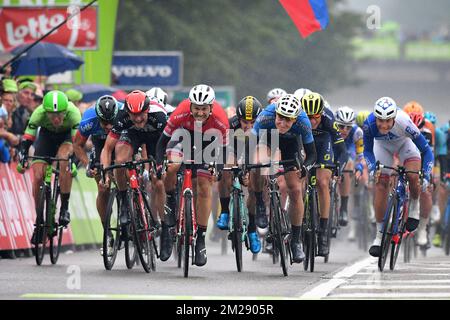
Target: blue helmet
430, 116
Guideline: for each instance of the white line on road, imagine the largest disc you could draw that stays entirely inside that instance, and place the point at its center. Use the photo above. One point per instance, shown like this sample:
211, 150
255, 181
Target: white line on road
407, 274
418, 295
322, 290
384, 286
372, 281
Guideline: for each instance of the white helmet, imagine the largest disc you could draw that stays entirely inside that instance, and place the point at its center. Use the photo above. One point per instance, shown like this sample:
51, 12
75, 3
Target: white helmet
299, 93
202, 94
275, 93
288, 106
385, 108
158, 95
345, 116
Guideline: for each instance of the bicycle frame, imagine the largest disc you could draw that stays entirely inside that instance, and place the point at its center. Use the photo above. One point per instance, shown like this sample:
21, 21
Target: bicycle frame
399, 196
237, 188
187, 192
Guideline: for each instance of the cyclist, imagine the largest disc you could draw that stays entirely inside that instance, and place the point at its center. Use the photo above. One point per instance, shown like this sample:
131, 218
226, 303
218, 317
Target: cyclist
425, 200
353, 137
288, 119
96, 123
329, 143
247, 110
136, 124
299, 93
57, 120
198, 114
158, 97
441, 151
389, 130
275, 94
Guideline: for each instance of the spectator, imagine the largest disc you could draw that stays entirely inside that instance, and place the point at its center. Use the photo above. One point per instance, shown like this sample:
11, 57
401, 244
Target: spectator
6, 138
75, 96
26, 107
9, 99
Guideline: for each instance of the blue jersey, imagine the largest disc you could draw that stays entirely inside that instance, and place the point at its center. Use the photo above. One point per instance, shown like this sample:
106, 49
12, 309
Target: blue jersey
403, 128
266, 121
441, 141
90, 124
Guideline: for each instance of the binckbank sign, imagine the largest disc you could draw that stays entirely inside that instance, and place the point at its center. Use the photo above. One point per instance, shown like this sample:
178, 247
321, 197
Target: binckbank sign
145, 69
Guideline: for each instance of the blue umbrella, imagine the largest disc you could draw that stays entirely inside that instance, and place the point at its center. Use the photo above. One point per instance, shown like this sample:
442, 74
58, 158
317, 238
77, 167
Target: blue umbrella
92, 92
44, 58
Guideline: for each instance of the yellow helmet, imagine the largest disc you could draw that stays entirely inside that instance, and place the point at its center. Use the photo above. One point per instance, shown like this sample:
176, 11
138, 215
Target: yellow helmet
312, 103
361, 117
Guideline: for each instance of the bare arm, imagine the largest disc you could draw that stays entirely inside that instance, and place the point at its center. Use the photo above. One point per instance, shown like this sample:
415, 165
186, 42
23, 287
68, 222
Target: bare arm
78, 148
11, 138
105, 157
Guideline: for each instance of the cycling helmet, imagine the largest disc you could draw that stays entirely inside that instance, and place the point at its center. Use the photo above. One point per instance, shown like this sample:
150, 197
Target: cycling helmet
430, 116
312, 103
413, 106
136, 102
418, 119
158, 95
385, 108
202, 94
275, 93
299, 93
361, 117
55, 101
345, 115
248, 108
288, 106
106, 108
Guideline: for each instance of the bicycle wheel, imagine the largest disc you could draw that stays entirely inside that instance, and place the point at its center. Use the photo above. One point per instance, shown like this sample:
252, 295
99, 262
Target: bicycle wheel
55, 236
395, 249
41, 224
187, 233
387, 234
179, 245
277, 235
111, 230
236, 237
305, 231
130, 248
140, 225
313, 233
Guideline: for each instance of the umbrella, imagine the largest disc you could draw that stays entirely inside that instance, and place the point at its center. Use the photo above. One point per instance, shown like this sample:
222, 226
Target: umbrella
45, 59
92, 92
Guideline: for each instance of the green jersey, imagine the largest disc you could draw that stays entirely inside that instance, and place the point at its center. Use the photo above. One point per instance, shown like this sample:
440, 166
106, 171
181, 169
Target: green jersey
39, 118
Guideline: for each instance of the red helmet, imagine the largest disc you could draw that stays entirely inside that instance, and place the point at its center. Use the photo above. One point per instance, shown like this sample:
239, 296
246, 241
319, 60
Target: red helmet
418, 119
137, 101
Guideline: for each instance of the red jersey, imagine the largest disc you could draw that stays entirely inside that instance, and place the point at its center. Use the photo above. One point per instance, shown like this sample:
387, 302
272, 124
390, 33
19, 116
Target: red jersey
182, 118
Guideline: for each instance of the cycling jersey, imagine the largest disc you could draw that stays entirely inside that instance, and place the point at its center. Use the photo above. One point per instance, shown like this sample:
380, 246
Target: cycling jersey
39, 118
266, 121
354, 143
328, 140
181, 120
90, 124
155, 124
290, 143
404, 130
441, 141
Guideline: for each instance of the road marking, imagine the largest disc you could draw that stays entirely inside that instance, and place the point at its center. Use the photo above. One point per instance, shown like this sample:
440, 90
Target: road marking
406, 295
322, 290
406, 274
141, 297
371, 281
384, 286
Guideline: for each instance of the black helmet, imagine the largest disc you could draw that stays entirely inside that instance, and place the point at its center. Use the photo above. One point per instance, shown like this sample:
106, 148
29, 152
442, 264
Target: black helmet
106, 108
248, 108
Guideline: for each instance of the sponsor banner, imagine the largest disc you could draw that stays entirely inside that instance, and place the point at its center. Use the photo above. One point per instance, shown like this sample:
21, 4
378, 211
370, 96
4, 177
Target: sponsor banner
144, 70
12, 214
19, 25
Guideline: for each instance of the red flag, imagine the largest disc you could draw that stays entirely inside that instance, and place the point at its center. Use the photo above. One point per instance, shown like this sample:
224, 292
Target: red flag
308, 15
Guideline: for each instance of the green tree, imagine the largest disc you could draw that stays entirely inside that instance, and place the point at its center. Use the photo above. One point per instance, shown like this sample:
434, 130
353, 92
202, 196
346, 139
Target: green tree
252, 45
